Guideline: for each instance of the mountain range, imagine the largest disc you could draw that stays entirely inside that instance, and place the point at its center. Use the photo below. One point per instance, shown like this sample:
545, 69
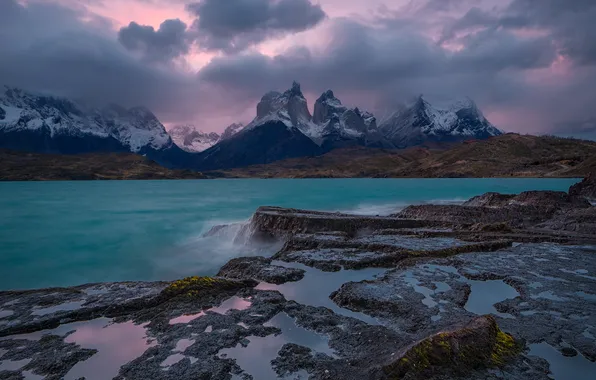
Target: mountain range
283, 128
191, 139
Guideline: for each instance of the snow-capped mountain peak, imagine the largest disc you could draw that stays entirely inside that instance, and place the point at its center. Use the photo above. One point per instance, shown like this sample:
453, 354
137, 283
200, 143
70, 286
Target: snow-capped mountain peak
327, 106
289, 107
456, 120
191, 139
231, 130
135, 128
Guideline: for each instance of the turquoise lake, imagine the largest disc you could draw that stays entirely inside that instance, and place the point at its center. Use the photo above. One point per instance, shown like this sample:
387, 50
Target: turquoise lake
69, 233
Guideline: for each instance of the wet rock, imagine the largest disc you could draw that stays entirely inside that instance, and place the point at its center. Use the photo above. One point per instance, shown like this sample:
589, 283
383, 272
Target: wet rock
494, 227
293, 358
271, 222
201, 286
539, 199
259, 268
47, 308
384, 251
586, 188
49, 356
479, 344
518, 211
568, 351
581, 221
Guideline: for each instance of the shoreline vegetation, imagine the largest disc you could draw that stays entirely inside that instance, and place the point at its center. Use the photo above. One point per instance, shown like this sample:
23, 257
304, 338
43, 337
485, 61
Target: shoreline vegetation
461, 291
505, 156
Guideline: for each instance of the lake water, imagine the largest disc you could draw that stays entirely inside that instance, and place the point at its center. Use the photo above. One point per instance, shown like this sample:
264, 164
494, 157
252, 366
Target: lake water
69, 233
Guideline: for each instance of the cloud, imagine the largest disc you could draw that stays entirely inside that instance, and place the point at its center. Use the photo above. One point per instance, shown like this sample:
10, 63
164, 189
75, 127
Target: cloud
568, 23
235, 25
530, 65
394, 66
169, 42
50, 48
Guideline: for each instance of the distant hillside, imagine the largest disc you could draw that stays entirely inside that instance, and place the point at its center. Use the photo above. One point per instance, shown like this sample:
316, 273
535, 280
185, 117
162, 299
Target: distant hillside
21, 166
509, 155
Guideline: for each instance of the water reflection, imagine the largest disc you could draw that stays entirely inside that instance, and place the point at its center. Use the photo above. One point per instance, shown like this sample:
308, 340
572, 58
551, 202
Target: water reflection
316, 286
255, 358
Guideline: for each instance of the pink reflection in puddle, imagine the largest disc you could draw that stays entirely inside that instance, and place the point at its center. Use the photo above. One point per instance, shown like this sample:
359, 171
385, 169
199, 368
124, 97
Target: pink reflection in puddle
255, 358
178, 355
117, 344
13, 365
67, 306
232, 303
186, 318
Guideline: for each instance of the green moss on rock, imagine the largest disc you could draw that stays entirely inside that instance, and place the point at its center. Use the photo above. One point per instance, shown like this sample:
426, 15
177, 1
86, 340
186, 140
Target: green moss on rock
481, 344
197, 286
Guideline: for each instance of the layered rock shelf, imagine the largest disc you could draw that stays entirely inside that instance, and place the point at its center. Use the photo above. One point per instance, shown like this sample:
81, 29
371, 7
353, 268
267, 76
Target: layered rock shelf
500, 287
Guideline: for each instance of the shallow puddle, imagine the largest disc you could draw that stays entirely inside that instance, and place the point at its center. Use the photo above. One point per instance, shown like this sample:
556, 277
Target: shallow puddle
6, 313
171, 360
549, 295
485, 294
186, 318
116, 343
255, 358
232, 303
316, 286
67, 306
428, 300
562, 367
13, 365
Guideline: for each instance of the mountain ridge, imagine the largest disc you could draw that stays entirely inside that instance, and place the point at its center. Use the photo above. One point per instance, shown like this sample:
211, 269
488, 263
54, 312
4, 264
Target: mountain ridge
49, 124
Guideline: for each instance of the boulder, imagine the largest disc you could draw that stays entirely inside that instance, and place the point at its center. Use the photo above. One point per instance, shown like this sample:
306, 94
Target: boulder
586, 188
480, 344
259, 268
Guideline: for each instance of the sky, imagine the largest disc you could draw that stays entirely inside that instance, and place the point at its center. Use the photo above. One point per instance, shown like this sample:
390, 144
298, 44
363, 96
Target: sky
530, 65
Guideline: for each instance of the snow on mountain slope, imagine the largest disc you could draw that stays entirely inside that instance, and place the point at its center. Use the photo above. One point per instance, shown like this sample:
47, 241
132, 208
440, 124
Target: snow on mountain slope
25, 111
343, 126
331, 126
421, 121
290, 108
135, 129
231, 130
188, 138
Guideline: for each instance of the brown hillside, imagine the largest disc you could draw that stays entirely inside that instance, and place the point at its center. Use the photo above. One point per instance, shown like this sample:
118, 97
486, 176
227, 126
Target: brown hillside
503, 156
21, 166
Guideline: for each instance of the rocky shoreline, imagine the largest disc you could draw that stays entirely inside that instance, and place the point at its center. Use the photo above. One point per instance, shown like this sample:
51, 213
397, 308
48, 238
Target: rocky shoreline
500, 287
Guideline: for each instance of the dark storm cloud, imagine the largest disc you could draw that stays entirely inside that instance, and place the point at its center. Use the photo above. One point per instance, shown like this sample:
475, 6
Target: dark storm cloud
46, 47
394, 65
170, 41
234, 25
499, 55
569, 23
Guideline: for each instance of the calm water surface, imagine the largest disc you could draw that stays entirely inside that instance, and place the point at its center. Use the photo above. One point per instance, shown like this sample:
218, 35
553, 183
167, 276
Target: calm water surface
68, 233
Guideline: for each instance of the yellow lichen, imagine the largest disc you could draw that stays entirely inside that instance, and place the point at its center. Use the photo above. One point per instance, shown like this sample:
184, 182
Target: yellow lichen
194, 286
504, 348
